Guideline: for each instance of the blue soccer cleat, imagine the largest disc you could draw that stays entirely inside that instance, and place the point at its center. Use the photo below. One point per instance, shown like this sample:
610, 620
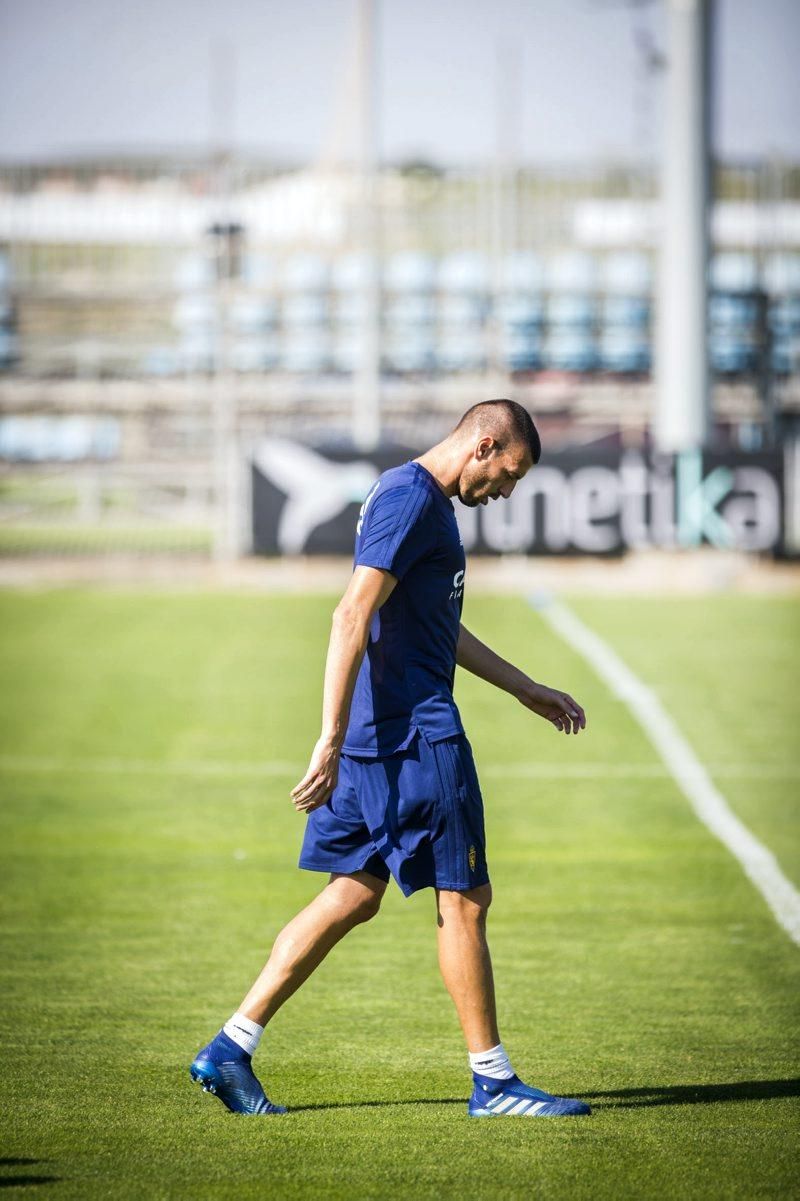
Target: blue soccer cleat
224, 1070
511, 1098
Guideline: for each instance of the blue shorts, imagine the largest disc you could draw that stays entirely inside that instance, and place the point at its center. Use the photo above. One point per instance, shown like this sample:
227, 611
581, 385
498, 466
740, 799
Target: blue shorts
417, 815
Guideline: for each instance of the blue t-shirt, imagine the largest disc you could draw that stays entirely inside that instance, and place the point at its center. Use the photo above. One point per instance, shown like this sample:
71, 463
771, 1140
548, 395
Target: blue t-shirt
407, 527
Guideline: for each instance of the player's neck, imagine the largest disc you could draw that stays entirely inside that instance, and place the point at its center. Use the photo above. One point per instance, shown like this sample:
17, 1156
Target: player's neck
445, 463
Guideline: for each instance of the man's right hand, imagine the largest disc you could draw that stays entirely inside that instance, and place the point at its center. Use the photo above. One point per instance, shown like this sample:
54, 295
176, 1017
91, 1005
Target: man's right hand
369, 588
320, 780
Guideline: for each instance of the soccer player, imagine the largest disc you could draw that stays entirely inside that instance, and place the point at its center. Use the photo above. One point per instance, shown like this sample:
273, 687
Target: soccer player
391, 788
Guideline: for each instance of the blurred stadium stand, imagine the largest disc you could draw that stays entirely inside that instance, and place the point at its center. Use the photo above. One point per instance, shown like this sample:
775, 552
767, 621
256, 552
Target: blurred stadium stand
133, 294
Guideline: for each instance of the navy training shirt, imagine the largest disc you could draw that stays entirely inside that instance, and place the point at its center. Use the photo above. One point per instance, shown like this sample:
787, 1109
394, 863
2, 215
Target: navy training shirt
407, 527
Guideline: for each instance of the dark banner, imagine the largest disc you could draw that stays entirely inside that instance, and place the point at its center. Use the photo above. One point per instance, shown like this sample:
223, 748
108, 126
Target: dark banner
306, 501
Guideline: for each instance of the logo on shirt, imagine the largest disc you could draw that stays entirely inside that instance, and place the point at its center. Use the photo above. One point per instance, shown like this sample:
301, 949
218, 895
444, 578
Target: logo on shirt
458, 586
365, 506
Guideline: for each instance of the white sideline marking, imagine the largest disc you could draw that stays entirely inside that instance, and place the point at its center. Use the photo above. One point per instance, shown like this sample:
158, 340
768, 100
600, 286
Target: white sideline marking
707, 801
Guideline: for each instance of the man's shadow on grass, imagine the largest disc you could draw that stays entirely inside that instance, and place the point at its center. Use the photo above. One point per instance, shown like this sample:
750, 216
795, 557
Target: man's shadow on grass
20, 1181
697, 1094
624, 1098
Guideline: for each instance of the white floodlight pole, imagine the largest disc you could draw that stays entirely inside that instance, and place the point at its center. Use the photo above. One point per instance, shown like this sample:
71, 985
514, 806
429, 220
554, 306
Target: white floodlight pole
504, 180
226, 451
682, 385
366, 415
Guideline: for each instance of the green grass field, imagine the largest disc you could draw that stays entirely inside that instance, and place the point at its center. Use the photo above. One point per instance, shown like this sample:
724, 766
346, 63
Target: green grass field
147, 858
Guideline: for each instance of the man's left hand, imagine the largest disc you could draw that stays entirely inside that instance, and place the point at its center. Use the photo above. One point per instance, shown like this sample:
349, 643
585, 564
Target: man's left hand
558, 708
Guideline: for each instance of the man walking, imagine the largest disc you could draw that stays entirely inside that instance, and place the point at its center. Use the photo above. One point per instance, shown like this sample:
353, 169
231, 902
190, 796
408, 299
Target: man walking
391, 788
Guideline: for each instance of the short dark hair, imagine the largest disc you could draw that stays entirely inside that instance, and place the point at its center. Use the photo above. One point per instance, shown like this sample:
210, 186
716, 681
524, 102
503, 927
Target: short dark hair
506, 417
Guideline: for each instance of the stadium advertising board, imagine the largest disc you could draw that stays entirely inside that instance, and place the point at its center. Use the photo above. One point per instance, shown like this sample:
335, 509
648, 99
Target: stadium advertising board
594, 502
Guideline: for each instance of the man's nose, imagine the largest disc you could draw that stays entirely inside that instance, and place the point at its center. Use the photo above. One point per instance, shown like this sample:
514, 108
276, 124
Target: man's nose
508, 488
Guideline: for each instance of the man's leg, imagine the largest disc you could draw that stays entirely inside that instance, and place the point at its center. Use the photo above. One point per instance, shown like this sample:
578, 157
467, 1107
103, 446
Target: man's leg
302, 945
224, 1066
466, 967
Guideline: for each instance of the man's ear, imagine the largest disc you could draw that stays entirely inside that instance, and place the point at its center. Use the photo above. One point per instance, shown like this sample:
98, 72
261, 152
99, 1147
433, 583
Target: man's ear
484, 447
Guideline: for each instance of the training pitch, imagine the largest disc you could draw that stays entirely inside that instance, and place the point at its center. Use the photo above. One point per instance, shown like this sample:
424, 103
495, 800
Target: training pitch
147, 858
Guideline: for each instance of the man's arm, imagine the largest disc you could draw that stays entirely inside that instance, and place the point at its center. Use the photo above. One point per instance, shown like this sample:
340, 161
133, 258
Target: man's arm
556, 707
369, 588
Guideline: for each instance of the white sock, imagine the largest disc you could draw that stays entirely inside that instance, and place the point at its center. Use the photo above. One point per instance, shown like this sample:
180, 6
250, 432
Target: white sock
245, 1033
494, 1063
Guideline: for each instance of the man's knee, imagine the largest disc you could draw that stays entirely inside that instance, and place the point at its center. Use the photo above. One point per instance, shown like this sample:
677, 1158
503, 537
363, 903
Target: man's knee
367, 906
469, 905
359, 896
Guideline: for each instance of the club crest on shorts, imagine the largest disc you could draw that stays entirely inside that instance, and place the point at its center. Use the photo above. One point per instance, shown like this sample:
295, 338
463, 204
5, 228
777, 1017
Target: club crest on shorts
472, 857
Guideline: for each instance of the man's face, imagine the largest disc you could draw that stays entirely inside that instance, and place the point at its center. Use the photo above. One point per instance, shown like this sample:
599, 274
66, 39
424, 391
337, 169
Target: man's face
492, 471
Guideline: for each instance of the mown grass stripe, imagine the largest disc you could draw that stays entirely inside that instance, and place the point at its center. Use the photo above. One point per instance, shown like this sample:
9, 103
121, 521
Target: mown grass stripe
253, 769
